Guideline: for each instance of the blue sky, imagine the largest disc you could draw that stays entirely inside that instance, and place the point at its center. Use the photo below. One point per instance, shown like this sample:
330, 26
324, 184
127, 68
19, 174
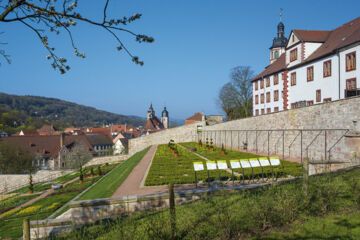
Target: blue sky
196, 45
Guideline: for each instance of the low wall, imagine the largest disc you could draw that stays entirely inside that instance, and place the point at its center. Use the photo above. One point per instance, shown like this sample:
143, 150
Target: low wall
106, 159
185, 133
90, 211
11, 182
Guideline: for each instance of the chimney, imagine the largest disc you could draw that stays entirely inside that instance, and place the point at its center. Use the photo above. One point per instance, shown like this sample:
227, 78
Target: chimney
62, 139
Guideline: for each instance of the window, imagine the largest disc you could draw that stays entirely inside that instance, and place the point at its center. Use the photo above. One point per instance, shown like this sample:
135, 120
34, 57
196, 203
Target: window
351, 84
262, 98
350, 61
267, 82
256, 99
293, 38
327, 100
276, 109
268, 110
268, 97
318, 95
327, 68
262, 111
310, 73
276, 79
276, 95
293, 79
257, 112
277, 54
311, 102
293, 55
256, 85
261, 83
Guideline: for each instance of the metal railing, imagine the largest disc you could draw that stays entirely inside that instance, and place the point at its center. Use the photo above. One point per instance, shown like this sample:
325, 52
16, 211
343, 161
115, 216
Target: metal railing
256, 139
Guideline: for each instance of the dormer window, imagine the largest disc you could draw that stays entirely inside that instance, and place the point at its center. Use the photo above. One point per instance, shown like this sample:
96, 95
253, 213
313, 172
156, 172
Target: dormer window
293, 54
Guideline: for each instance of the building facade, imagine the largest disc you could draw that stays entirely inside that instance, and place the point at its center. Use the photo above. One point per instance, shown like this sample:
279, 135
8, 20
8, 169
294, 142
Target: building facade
311, 67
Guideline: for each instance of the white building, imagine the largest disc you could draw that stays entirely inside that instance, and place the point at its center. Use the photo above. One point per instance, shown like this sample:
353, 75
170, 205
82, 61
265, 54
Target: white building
310, 67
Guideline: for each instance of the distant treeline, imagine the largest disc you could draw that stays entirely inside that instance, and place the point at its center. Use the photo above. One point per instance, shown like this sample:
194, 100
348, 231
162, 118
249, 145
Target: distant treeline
32, 112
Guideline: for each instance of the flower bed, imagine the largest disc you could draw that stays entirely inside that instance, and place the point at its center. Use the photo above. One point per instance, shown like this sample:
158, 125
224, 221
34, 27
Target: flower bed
285, 169
166, 168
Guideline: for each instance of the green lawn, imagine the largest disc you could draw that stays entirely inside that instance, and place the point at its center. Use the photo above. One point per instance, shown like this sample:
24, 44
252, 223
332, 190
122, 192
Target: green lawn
286, 168
330, 210
108, 185
166, 168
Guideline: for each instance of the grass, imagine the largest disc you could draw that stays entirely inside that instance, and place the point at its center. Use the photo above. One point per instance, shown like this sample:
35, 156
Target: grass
166, 168
37, 188
286, 168
344, 225
329, 210
108, 185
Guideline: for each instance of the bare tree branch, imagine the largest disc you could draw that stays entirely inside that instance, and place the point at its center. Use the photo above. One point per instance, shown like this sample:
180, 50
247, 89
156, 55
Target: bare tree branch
55, 16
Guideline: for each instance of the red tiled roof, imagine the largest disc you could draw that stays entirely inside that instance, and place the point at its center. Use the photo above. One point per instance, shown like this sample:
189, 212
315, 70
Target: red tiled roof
340, 37
277, 66
153, 124
47, 146
100, 131
197, 117
311, 35
27, 132
46, 130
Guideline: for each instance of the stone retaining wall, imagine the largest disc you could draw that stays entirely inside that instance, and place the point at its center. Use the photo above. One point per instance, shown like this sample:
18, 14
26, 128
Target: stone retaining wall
106, 159
184, 133
342, 114
12, 182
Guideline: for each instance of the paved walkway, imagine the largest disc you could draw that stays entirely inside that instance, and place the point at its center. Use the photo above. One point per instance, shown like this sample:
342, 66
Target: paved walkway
41, 196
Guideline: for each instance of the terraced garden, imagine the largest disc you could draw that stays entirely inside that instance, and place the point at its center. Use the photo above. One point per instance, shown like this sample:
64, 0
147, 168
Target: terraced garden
166, 168
11, 222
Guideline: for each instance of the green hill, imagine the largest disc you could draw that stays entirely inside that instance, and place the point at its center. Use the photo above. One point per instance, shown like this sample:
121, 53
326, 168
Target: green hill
59, 112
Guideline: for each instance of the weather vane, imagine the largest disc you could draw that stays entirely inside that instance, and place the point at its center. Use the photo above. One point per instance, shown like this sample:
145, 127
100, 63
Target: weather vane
281, 13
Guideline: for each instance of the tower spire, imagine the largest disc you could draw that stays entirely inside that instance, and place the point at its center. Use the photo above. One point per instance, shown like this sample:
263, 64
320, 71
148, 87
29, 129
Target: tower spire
281, 13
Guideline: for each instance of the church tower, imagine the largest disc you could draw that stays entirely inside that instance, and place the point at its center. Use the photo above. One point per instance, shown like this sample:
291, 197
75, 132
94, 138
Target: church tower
165, 118
151, 112
279, 42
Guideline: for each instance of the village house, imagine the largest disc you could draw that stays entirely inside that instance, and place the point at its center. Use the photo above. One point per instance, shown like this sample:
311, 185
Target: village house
49, 151
310, 67
102, 144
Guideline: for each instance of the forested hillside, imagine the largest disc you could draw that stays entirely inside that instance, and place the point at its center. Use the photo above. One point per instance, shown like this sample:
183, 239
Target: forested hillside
38, 110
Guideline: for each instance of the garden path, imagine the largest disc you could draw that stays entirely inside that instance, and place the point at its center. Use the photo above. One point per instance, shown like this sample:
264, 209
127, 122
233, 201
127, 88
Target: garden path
41, 196
134, 183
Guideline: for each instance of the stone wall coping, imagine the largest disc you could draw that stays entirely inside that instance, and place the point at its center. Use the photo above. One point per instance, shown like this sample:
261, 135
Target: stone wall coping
50, 223
149, 197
